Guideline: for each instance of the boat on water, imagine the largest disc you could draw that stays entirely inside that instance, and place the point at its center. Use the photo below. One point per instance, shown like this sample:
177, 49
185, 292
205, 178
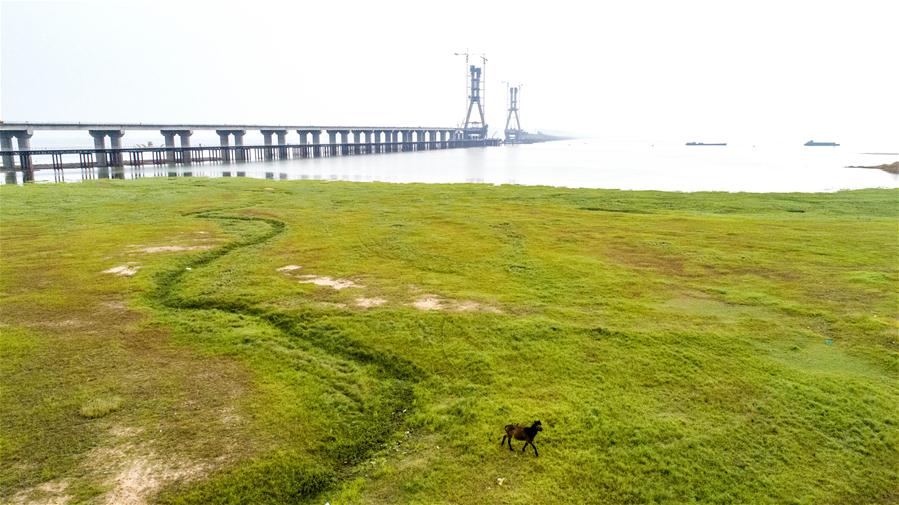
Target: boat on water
812, 143
706, 144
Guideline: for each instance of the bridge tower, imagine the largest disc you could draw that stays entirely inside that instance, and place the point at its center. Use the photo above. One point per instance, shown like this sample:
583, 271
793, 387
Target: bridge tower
513, 134
475, 129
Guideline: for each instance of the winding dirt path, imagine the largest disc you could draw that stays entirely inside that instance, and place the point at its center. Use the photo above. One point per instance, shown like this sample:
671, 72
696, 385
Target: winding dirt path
397, 374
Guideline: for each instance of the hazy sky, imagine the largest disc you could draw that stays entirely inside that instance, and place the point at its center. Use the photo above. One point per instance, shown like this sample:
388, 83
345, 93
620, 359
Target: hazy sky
684, 70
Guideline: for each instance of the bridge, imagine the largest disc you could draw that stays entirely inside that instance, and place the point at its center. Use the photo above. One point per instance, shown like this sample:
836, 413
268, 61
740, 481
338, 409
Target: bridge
341, 141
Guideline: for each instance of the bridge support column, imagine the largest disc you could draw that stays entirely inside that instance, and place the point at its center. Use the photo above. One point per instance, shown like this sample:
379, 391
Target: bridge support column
407, 140
365, 147
115, 158
303, 134
267, 140
240, 153
375, 141
6, 145
282, 143
99, 143
169, 136
224, 142
345, 147
420, 138
317, 143
357, 141
185, 145
333, 150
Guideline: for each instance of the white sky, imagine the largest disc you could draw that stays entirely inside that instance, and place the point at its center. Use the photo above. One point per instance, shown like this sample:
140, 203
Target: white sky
683, 70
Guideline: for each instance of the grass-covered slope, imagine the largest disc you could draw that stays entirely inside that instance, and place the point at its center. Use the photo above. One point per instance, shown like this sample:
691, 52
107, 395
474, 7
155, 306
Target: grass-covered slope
678, 348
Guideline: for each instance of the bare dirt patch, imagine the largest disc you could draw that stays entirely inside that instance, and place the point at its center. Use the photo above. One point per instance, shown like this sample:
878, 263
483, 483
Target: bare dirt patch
472, 306
367, 303
123, 270
115, 305
48, 493
134, 473
140, 478
434, 302
337, 284
289, 268
428, 302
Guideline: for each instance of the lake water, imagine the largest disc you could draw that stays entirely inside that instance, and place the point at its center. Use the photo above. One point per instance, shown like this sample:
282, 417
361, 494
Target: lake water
578, 163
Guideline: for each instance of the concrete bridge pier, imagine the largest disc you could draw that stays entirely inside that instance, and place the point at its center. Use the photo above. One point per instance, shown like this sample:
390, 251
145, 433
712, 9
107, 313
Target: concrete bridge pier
376, 141
6, 145
267, 140
365, 143
333, 150
317, 143
433, 139
420, 136
303, 134
100, 144
357, 142
240, 153
23, 141
344, 149
185, 143
116, 158
169, 136
225, 142
282, 143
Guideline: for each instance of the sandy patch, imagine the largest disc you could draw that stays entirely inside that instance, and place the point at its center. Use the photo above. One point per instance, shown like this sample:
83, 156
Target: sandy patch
173, 248
289, 268
65, 323
428, 302
433, 302
123, 270
134, 473
48, 493
337, 284
114, 305
125, 431
471, 306
366, 303
140, 478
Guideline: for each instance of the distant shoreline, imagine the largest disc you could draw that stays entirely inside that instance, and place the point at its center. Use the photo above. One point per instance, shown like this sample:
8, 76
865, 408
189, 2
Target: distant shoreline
892, 168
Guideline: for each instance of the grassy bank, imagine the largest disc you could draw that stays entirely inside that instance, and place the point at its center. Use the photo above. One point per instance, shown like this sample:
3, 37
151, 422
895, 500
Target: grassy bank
678, 348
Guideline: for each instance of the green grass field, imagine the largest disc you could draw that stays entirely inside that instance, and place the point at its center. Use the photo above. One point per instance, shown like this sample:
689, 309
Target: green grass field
678, 348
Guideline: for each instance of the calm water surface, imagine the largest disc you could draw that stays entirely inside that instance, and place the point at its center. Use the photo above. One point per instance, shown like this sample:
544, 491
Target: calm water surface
574, 163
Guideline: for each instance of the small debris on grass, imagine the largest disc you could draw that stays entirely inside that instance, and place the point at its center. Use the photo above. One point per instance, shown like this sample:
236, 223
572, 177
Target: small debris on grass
337, 284
289, 268
123, 270
500, 481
